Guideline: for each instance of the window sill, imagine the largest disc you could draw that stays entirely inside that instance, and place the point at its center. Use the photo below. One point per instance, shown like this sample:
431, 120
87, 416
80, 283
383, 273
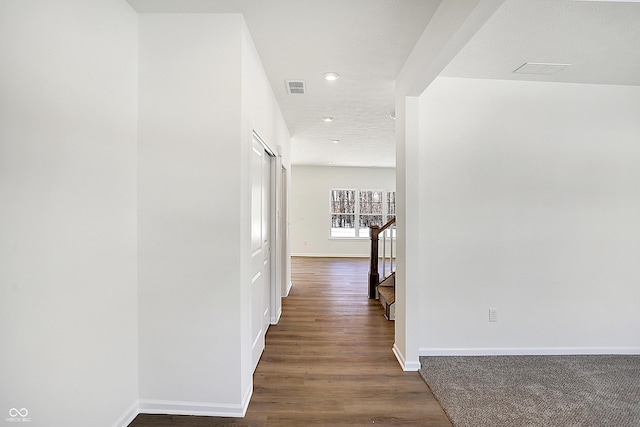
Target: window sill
349, 238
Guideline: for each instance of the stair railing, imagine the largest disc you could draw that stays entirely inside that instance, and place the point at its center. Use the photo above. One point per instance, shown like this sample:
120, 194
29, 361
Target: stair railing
388, 234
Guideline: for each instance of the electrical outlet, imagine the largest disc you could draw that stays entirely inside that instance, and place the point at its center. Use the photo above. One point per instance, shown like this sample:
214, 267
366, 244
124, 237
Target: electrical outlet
493, 315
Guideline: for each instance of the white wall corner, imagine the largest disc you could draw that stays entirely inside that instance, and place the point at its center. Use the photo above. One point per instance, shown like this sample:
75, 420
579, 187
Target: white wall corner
128, 416
407, 365
451, 27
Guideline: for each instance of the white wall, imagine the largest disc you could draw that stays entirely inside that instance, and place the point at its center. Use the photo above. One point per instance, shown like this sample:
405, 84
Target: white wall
202, 91
71, 182
530, 204
452, 26
189, 250
68, 315
260, 114
309, 213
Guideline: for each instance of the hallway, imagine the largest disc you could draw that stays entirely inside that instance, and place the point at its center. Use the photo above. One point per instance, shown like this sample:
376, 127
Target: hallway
329, 361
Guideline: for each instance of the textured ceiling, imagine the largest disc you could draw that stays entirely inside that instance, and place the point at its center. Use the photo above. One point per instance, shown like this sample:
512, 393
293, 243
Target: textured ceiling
601, 41
368, 41
365, 41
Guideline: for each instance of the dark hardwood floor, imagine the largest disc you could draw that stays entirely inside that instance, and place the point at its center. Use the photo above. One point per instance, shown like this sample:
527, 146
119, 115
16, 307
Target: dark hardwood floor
328, 362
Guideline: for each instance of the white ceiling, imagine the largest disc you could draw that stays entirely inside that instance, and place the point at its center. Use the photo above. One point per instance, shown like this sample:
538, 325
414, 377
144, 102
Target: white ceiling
365, 41
368, 41
601, 41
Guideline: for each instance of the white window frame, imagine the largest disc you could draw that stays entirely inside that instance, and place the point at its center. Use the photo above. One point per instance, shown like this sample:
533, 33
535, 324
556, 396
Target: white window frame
355, 213
385, 213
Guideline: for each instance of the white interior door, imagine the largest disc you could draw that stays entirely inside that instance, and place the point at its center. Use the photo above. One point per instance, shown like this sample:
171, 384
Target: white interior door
266, 239
261, 282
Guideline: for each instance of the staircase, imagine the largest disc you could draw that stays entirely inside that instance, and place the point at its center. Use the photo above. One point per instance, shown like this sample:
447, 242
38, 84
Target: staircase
382, 270
387, 296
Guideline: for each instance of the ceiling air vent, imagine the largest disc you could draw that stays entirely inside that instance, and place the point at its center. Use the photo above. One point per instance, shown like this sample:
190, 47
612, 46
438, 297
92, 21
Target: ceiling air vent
295, 87
543, 68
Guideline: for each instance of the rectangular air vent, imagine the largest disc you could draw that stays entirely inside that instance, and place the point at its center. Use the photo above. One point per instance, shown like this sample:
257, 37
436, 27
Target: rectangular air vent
295, 87
543, 68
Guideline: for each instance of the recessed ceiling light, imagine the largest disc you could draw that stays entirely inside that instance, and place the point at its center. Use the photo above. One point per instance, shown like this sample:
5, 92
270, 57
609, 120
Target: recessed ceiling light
335, 141
331, 76
327, 118
330, 163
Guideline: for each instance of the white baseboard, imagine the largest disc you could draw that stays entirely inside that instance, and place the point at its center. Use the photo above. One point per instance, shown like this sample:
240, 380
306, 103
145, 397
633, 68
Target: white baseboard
407, 366
247, 399
128, 416
196, 408
314, 255
275, 319
531, 351
289, 286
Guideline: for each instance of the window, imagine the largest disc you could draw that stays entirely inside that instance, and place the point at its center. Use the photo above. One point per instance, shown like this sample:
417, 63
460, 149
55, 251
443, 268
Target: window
391, 205
370, 203
353, 211
343, 213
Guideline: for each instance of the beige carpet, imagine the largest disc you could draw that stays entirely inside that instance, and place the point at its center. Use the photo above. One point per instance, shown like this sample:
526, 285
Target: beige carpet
532, 391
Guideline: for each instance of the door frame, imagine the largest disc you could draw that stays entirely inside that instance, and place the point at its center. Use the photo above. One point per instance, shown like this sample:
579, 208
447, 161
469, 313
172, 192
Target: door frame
277, 244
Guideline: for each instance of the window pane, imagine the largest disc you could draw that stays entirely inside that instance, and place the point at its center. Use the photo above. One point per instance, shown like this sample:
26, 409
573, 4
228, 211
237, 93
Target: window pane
370, 202
343, 225
343, 201
391, 203
366, 221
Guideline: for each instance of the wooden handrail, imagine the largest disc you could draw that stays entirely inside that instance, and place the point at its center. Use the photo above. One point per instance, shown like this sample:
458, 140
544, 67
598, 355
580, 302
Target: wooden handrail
387, 225
374, 275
